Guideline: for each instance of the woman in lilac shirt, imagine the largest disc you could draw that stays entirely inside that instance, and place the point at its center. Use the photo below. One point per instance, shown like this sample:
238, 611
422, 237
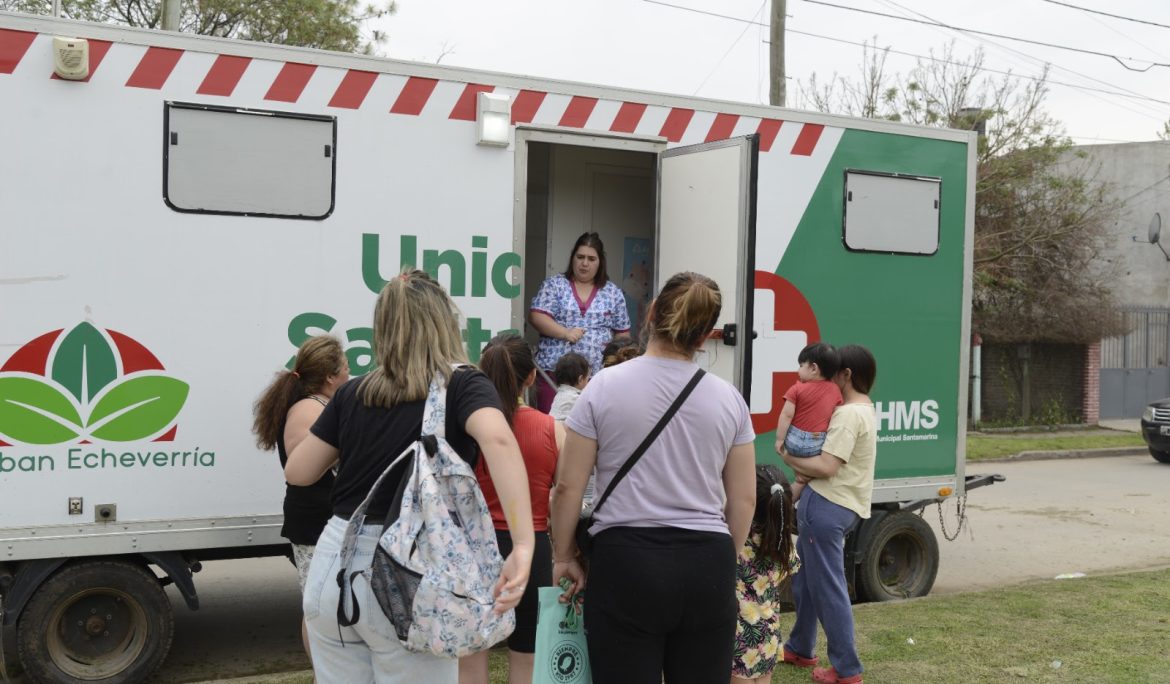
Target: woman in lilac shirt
579, 310
661, 603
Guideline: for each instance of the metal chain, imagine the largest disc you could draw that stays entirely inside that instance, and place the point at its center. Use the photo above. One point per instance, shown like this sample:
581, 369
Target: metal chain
960, 512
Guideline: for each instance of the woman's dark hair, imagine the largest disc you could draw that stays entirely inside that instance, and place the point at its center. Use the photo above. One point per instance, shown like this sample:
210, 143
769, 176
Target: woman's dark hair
317, 358
775, 515
861, 364
685, 311
507, 361
570, 368
590, 240
620, 350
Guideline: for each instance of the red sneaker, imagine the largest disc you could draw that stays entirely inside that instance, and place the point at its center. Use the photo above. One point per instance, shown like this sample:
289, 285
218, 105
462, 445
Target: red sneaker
827, 675
798, 660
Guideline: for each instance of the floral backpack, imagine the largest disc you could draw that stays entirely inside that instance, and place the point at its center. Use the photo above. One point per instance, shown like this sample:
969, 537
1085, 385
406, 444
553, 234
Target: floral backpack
435, 566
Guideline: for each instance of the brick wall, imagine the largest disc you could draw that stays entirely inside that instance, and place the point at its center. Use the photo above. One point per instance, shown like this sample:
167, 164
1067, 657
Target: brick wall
1056, 391
1091, 393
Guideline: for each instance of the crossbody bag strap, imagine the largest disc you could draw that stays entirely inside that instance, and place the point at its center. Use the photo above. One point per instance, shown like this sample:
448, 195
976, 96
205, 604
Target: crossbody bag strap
678, 402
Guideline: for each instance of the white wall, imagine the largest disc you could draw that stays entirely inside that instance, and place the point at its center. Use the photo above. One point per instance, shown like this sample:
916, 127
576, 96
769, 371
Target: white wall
1138, 176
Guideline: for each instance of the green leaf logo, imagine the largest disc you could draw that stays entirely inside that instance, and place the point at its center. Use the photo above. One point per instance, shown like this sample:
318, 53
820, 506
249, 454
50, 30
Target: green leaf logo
87, 383
137, 408
36, 412
84, 363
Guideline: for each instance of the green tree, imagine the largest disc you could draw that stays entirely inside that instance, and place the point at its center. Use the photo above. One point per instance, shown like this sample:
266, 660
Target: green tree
324, 24
1040, 215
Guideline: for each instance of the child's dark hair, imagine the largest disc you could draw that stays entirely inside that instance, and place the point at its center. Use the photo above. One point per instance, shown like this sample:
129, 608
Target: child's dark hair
775, 515
571, 368
507, 361
861, 364
620, 350
822, 354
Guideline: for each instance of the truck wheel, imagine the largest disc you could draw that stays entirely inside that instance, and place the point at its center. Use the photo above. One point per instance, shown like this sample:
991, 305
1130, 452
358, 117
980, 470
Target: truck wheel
900, 559
1160, 456
97, 621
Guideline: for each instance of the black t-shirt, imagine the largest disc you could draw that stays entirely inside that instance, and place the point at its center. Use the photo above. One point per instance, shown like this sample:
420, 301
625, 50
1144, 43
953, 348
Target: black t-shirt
369, 439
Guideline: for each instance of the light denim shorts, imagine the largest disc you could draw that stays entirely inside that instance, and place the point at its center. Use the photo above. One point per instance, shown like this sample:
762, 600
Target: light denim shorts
803, 443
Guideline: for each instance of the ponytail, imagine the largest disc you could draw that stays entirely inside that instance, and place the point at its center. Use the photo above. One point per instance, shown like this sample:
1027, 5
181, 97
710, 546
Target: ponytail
318, 358
507, 361
775, 515
272, 407
685, 311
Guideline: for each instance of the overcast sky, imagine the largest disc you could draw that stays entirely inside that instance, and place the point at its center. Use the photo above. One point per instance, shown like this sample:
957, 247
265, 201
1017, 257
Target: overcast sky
651, 46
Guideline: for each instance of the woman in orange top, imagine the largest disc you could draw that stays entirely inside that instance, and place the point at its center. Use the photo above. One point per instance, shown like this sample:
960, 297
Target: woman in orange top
509, 363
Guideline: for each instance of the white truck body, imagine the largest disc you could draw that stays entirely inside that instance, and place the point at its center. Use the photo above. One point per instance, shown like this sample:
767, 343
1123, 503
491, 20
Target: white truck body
177, 223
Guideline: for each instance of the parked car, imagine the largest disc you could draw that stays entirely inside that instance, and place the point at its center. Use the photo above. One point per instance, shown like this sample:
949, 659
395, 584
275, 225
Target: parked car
1156, 430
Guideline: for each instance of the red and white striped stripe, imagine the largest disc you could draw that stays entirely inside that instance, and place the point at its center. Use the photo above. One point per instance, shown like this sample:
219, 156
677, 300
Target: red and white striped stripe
184, 73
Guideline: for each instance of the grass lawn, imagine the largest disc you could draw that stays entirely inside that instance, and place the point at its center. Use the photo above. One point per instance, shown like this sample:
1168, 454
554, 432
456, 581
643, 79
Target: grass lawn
982, 446
1095, 629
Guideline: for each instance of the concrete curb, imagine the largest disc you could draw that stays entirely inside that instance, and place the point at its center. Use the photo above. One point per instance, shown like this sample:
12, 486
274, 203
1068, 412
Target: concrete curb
1074, 453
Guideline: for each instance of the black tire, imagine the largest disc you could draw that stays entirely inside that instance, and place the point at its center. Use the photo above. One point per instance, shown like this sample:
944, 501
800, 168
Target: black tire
900, 559
97, 621
1160, 456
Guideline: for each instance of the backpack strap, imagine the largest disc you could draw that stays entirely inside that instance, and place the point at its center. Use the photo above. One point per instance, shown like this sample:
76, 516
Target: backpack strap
433, 425
349, 543
435, 409
678, 402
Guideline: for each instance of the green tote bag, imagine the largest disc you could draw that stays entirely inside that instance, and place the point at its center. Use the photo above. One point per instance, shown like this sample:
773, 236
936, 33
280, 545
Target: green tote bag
561, 654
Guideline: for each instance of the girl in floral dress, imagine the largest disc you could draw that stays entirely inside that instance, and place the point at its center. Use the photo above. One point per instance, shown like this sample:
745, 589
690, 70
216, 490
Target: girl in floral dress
765, 560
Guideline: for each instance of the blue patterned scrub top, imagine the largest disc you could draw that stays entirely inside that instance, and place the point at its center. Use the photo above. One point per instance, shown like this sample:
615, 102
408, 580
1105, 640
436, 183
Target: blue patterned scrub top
603, 315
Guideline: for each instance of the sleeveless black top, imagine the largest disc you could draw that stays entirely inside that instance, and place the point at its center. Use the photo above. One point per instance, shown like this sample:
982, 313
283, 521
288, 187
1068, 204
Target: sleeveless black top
306, 509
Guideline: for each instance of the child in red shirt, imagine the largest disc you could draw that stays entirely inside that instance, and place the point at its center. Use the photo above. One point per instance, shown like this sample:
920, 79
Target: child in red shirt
808, 406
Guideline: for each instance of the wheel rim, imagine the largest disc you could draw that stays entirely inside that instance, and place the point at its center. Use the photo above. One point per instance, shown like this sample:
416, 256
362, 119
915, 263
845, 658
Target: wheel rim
97, 633
900, 565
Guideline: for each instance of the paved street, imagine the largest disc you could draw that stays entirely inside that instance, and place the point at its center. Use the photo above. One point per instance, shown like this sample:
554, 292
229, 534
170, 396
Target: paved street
1089, 515
248, 622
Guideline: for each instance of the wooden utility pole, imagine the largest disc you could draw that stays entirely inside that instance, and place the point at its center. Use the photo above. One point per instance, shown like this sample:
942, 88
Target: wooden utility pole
776, 95
170, 15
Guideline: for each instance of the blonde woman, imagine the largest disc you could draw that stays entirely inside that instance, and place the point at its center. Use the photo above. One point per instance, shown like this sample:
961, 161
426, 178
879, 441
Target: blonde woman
661, 604
285, 411
369, 422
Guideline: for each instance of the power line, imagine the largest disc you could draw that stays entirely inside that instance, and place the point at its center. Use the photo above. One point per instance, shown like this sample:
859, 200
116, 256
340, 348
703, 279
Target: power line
1107, 14
1109, 140
730, 48
1158, 115
1088, 89
994, 35
1135, 96
710, 14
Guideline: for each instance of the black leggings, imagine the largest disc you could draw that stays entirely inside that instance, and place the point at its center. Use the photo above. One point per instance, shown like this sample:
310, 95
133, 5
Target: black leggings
523, 638
660, 606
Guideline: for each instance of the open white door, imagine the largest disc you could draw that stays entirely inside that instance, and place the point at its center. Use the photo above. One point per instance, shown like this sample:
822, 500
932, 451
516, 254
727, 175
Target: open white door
707, 224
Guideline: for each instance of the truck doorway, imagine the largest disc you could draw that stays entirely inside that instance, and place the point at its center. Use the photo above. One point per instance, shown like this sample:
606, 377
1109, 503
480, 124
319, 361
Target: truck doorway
657, 212
573, 189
